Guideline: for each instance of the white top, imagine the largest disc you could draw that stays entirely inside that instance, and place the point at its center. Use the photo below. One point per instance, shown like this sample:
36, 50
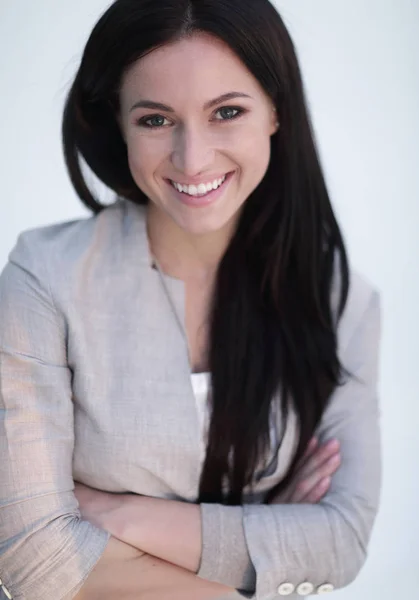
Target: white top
200, 385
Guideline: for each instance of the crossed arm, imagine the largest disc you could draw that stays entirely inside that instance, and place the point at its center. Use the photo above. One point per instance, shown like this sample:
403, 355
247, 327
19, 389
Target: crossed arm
127, 573
172, 530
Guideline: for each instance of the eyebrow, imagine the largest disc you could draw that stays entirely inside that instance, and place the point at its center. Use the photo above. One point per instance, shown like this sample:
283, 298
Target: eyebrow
159, 106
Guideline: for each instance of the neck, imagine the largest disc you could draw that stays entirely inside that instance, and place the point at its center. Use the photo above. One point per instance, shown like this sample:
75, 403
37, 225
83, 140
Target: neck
184, 255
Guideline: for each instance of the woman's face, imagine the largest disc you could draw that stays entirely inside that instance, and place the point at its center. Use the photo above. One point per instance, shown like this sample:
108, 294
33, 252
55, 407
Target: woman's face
179, 130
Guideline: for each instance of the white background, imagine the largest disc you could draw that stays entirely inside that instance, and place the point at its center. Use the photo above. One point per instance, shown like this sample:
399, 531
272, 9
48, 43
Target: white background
360, 61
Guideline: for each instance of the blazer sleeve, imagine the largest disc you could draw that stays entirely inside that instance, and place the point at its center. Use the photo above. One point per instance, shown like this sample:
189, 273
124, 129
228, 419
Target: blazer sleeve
46, 549
319, 547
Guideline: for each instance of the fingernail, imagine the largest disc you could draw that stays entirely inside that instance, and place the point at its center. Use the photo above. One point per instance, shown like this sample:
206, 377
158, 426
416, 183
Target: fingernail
334, 443
334, 460
325, 482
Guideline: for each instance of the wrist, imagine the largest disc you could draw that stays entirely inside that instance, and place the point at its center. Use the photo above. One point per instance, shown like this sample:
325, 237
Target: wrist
127, 519
167, 529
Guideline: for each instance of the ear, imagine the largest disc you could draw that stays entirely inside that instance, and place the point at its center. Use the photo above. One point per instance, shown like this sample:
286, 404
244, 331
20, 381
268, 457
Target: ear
275, 125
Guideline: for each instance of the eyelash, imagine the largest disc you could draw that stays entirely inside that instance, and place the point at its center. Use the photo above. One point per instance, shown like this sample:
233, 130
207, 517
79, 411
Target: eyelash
143, 121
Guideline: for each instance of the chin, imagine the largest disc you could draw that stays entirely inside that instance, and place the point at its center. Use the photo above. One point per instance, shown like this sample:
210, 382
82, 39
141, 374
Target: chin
205, 224
199, 228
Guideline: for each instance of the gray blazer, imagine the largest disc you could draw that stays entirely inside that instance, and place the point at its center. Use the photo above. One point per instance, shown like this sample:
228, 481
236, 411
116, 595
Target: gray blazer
95, 387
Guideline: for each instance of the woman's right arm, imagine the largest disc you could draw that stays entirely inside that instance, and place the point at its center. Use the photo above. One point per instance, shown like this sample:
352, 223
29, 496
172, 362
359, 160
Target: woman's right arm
46, 549
47, 552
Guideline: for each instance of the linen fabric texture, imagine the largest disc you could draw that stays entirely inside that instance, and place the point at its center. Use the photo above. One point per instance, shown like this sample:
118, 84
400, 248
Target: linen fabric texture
95, 387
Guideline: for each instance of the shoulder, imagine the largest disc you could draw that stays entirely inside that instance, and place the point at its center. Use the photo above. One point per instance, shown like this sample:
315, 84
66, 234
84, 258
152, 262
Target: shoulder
361, 317
68, 245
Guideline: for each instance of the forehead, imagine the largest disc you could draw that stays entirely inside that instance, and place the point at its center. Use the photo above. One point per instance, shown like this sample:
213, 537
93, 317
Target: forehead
192, 69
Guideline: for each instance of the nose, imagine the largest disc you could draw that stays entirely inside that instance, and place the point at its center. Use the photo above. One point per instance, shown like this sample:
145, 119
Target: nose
192, 151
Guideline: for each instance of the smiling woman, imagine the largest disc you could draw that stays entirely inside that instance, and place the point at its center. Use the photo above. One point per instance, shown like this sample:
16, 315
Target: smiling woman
201, 138
196, 357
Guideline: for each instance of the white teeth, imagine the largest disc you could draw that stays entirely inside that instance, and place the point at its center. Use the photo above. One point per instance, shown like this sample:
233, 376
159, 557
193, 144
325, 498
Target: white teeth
201, 189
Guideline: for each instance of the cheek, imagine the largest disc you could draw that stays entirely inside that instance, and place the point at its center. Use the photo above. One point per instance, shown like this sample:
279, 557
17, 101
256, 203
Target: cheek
144, 158
254, 152
137, 161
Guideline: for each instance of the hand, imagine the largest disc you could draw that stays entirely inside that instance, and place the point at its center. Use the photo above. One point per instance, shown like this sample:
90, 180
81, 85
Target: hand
99, 508
312, 477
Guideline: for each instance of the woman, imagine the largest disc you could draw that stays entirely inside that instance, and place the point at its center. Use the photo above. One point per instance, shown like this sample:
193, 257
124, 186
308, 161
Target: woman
175, 353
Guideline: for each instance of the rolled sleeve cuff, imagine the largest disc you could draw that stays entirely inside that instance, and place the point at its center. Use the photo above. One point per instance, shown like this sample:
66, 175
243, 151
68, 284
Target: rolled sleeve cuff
225, 557
63, 579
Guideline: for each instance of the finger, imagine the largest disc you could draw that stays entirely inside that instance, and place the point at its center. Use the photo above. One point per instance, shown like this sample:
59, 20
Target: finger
318, 492
312, 445
304, 486
311, 448
318, 458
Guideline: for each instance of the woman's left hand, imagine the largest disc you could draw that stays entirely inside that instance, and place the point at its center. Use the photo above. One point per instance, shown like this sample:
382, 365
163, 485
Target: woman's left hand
312, 477
99, 508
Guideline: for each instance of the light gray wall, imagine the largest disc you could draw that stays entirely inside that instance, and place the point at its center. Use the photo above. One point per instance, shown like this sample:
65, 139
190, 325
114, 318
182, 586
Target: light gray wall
360, 61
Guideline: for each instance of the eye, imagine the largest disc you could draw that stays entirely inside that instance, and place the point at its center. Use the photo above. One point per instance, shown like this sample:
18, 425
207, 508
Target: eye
152, 121
228, 113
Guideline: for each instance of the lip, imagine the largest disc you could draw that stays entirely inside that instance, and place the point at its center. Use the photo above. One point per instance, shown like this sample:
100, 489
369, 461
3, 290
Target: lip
200, 201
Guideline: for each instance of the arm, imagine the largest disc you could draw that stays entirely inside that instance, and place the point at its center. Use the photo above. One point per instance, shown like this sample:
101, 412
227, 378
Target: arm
329, 539
324, 543
153, 523
47, 552
123, 571
147, 523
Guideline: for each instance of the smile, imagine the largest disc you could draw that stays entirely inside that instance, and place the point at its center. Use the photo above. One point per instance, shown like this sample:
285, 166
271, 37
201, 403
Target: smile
199, 190
194, 196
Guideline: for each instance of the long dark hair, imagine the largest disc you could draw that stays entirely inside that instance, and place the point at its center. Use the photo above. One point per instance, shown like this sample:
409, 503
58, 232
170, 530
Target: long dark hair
272, 324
